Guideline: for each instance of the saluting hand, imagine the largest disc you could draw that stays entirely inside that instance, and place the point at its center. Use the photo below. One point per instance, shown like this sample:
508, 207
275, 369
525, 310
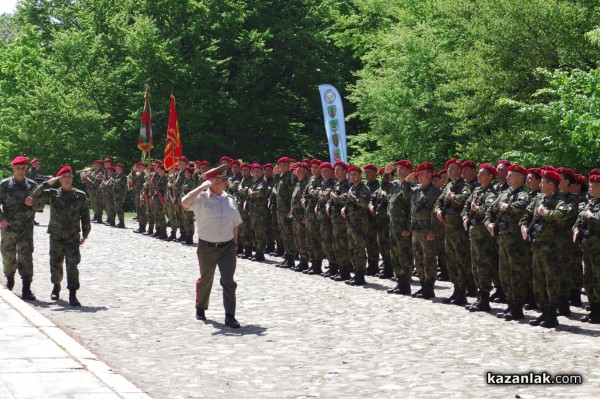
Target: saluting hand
389, 168
410, 178
53, 180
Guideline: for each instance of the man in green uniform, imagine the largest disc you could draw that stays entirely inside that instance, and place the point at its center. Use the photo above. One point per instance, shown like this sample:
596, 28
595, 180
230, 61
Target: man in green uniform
580, 190
313, 229
379, 208
108, 195
187, 219
371, 237
258, 195
284, 190
69, 227
297, 213
241, 195
16, 223
159, 188
273, 236
337, 200
120, 188
139, 178
147, 192
324, 220
533, 181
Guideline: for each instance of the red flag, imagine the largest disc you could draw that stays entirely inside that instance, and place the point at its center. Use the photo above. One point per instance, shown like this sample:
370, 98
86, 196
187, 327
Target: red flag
145, 138
173, 144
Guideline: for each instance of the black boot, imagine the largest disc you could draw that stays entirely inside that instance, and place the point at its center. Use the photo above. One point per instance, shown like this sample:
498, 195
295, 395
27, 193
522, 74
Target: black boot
344, 273
419, 291
316, 267
280, 249
499, 296
157, 232
73, 298
302, 265
443, 275
112, 223
55, 292
461, 297
182, 237
575, 299
240, 249
563, 307
172, 236
95, 218
358, 279
10, 282
372, 269
428, 291
150, 230
387, 272
551, 320
247, 252
189, 239
451, 297
536, 322
121, 224
500, 315
162, 234
472, 290
531, 303
26, 294
516, 312
402, 287
483, 305
141, 229
283, 262
594, 317
289, 262
270, 248
259, 256
333, 270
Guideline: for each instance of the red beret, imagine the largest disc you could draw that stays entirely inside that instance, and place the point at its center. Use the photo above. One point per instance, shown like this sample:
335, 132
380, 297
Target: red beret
581, 179
184, 159
245, 165
151, 165
284, 160
302, 165
537, 172
469, 164
325, 165
63, 170
552, 175
566, 172
370, 166
503, 162
595, 178
234, 162
98, 161
547, 167
436, 175
158, 162
315, 162
453, 160
489, 167
342, 164
293, 167
140, 163
257, 166
517, 168
189, 169
110, 167
425, 166
405, 163
354, 168
20, 160
443, 171
107, 160
120, 165
34, 160
268, 165
225, 158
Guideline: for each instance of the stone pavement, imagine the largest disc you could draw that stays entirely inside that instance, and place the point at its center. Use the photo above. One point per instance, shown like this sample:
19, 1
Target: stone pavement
38, 360
302, 336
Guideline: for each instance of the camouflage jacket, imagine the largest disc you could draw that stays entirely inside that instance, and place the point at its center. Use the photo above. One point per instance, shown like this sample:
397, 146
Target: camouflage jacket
422, 218
69, 210
284, 190
356, 209
233, 183
572, 203
323, 192
483, 198
120, 185
340, 188
589, 227
138, 180
452, 207
257, 200
311, 193
399, 197
551, 225
272, 198
500, 188
533, 194
517, 201
296, 201
12, 203
380, 203
159, 187
242, 192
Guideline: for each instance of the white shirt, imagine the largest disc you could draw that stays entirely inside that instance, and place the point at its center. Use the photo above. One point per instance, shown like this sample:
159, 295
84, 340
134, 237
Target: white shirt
216, 216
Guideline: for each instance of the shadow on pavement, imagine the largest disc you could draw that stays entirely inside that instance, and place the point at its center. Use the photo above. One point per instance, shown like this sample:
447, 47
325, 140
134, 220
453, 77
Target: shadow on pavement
248, 329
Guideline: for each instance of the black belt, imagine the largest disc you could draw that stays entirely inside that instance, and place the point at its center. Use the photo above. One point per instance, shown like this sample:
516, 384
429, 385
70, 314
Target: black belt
214, 244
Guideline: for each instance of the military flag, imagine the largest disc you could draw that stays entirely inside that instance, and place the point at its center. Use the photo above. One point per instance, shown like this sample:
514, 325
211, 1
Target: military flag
145, 138
173, 147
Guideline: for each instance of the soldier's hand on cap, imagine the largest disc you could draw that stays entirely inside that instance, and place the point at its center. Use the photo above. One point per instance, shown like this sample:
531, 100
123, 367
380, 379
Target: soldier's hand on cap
389, 168
430, 237
53, 180
29, 201
410, 178
524, 232
4, 224
490, 229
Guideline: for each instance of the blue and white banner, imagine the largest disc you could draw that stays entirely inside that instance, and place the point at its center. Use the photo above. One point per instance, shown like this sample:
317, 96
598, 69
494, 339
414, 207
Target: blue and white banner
335, 128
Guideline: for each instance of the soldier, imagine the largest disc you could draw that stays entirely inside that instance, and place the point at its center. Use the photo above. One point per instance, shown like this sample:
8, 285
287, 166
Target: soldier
96, 177
171, 203
379, 208
469, 173
16, 223
324, 220
69, 227
273, 236
337, 200
399, 212
579, 190
440, 182
371, 237
533, 181
179, 181
484, 252
502, 221
120, 192
586, 231
283, 191
35, 173
543, 225
106, 188
159, 188
425, 228
297, 214
147, 192
187, 220
139, 178
313, 230
241, 195
456, 240
502, 167
258, 195
233, 181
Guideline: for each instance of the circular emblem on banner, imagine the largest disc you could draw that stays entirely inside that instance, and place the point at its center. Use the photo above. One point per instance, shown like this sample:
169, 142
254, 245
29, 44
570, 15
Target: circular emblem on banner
329, 96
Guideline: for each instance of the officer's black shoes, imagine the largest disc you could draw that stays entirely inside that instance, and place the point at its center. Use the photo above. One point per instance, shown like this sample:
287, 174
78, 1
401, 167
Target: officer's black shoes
563, 307
358, 279
26, 294
10, 282
259, 256
516, 312
537, 321
55, 292
482, 304
451, 297
230, 321
499, 296
140, 230
200, 314
427, 292
550, 321
575, 299
73, 301
302, 265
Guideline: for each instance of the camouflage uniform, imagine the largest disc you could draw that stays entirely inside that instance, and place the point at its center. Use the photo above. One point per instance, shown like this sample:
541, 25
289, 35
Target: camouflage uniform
97, 177
37, 176
372, 245
339, 229
569, 251
326, 228
158, 203
298, 222
171, 205
140, 206
484, 252
577, 268
120, 193
108, 197
17, 238
273, 228
423, 222
358, 198
313, 231
456, 239
69, 215
513, 251
147, 193
399, 197
187, 217
259, 213
284, 196
245, 231
379, 200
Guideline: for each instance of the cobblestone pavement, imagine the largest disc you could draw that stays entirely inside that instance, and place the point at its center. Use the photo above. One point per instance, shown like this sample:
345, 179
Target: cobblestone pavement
301, 336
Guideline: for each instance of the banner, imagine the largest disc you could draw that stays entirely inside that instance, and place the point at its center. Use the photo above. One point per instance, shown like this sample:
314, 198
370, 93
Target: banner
335, 128
173, 143
145, 138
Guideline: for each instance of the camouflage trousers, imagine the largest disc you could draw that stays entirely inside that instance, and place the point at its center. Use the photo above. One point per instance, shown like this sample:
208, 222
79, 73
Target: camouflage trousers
300, 237
273, 232
458, 256
17, 252
111, 211
566, 269
357, 245
577, 270
98, 205
371, 238
326, 234
136, 202
424, 252
245, 232
92, 194
171, 211
64, 249
142, 212
158, 210
287, 232
119, 203
546, 273
514, 258
591, 259
313, 236
441, 248
259, 224
484, 257
383, 237
401, 256
340, 241
187, 222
